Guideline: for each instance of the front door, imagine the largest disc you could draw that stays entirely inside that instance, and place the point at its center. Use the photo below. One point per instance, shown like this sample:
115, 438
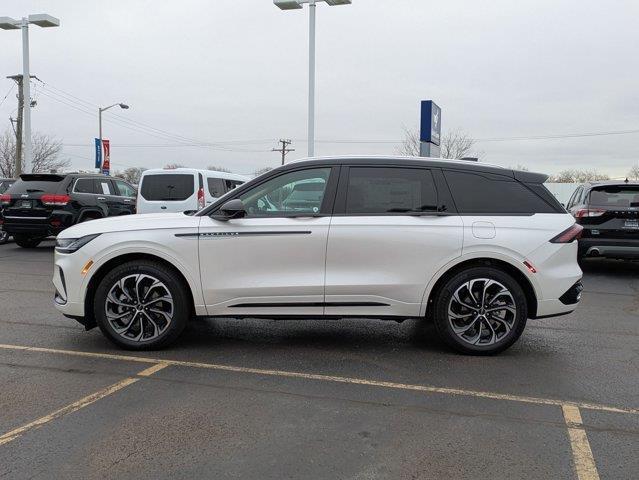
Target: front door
272, 261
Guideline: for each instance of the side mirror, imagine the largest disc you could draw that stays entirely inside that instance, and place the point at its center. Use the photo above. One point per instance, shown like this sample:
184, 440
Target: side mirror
230, 210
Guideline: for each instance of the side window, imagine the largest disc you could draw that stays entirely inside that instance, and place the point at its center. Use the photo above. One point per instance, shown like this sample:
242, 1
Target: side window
297, 192
125, 189
84, 185
485, 194
576, 198
103, 187
388, 190
232, 184
217, 187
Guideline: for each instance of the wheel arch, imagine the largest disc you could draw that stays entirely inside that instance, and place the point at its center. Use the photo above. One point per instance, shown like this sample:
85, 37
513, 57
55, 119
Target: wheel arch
503, 265
105, 268
90, 212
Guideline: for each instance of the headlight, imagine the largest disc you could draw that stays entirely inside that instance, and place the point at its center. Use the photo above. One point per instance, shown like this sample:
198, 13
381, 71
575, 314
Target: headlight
70, 245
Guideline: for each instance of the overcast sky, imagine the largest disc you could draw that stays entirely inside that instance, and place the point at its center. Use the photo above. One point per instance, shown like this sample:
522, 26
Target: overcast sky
234, 73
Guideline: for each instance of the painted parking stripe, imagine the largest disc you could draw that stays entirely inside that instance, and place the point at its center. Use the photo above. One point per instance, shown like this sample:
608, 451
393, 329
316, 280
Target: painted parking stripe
83, 402
581, 452
337, 379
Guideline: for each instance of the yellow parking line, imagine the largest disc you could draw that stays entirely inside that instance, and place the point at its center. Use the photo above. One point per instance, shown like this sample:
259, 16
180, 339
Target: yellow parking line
338, 379
83, 402
581, 452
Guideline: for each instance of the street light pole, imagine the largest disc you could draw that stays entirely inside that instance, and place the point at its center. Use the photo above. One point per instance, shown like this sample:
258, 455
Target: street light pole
7, 23
311, 79
26, 93
123, 106
312, 4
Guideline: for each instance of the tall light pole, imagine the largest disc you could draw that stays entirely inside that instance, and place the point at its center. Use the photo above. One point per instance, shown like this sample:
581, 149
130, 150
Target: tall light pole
8, 23
312, 4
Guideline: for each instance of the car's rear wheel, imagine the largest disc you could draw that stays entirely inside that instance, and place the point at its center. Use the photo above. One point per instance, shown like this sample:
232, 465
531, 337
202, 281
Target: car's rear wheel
26, 241
141, 305
480, 311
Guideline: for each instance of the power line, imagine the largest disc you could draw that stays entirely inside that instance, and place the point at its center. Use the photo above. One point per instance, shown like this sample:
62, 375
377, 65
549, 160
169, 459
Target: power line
8, 93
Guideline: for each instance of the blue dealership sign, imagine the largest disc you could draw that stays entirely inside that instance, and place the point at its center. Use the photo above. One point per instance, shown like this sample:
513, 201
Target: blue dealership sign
431, 123
98, 153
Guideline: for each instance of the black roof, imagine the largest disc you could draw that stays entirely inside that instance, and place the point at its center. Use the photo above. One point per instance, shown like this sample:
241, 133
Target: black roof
529, 177
59, 176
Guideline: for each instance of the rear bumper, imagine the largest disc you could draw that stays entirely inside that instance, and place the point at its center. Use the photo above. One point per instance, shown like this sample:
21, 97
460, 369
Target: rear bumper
609, 247
37, 226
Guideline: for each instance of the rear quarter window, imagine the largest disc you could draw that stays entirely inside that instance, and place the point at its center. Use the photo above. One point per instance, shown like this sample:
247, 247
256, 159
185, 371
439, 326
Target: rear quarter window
486, 194
173, 187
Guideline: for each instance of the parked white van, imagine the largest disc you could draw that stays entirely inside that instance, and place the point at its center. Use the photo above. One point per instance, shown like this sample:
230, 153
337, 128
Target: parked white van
181, 189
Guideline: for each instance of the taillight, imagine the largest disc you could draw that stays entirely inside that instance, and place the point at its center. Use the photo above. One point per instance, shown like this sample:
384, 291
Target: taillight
200, 198
5, 199
55, 200
589, 212
569, 235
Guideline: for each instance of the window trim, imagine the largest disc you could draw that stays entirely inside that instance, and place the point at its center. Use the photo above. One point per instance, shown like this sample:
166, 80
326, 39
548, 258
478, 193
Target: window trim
443, 209
327, 203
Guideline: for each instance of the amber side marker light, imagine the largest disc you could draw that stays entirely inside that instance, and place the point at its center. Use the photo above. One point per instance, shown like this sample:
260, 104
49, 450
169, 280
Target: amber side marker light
87, 267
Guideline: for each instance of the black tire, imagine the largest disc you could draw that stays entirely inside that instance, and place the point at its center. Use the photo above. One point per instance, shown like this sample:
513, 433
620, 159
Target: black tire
506, 334
181, 305
4, 237
26, 241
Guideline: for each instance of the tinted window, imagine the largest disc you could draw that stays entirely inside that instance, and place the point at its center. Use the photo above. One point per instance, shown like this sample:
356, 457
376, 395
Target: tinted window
373, 190
102, 187
493, 194
125, 189
176, 187
615, 196
295, 192
4, 186
217, 187
37, 184
84, 185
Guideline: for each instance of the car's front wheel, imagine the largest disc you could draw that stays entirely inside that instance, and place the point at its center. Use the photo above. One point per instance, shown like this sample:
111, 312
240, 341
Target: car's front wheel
142, 305
480, 311
25, 241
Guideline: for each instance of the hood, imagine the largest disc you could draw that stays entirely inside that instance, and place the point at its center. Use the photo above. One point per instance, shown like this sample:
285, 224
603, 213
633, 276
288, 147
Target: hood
127, 223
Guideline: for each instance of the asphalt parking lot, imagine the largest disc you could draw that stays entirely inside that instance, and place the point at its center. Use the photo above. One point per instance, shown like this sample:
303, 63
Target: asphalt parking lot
352, 399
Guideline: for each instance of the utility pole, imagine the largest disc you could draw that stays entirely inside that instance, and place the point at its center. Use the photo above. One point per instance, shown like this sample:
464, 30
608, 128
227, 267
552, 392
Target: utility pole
18, 129
284, 150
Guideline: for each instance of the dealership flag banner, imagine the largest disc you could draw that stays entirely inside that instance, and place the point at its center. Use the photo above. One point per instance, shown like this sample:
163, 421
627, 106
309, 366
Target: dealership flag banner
106, 163
98, 153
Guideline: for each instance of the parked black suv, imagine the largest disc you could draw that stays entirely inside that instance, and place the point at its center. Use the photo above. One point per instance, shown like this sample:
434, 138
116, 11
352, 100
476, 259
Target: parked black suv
609, 213
40, 205
5, 183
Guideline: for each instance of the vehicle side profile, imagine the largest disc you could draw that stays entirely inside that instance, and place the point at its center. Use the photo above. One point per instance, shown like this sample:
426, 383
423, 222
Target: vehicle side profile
477, 249
40, 205
609, 213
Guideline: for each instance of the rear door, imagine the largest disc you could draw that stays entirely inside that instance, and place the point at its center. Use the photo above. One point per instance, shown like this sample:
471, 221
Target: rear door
107, 197
392, 229
167, 192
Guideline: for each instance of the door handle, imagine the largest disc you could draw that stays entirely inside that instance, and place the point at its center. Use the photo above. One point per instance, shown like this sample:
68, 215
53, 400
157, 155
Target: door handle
101, 198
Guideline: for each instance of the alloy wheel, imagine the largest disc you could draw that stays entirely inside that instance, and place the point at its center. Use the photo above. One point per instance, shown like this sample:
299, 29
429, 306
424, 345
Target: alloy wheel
482, 312
139, 307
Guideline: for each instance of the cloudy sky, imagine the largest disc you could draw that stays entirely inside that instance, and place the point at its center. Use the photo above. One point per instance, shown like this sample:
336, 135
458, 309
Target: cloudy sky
218, 82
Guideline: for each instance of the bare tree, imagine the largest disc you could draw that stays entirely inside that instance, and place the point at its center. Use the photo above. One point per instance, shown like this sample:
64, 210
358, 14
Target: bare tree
455, 144
578, 176
131, 174
46, 154
170, 166
218, 169
633, 174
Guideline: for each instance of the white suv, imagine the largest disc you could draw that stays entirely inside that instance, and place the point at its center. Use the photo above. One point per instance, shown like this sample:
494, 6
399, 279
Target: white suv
477, 249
